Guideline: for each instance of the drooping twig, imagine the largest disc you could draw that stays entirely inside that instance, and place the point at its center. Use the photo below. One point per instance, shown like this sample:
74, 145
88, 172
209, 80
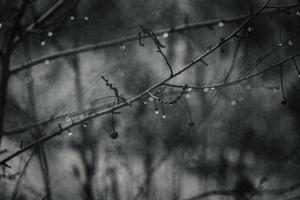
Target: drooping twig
157, 43
114, 89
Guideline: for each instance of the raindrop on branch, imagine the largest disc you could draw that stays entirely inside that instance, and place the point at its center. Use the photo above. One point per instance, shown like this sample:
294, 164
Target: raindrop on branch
50, 34
123, 47
166, 35
43, 43
70, 133
47, 62
221, 24
206, 90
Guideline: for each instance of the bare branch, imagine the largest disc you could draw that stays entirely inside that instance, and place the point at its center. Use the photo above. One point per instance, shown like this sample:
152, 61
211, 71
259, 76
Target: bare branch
137, 97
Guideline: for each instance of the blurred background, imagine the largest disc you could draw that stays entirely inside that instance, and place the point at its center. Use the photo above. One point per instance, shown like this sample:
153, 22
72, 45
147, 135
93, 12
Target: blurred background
242, 137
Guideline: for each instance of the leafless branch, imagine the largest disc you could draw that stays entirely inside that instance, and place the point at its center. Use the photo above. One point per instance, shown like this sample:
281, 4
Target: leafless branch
137, 97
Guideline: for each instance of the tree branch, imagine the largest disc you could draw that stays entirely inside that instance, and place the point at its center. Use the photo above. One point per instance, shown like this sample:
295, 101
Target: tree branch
137, 97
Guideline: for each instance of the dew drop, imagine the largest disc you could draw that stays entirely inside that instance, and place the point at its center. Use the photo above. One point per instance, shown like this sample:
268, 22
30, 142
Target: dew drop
43, 43
166, 35
47, 62
50, 34
123, 47
221, 24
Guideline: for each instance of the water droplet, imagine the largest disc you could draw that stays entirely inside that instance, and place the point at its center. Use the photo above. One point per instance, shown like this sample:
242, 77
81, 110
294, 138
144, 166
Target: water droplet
189, 89
187, 96
212, 88
221, 24
43, 43
47, 62
50, 34
280, 43
84, 125
156, 111
298, 75
249, 29
86, 18
145, 102
70, 133
166, 35
290, 43
298, 12
151, 99
164, 116
72, 18
206, 90
0, 25
233, 102
123, 47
